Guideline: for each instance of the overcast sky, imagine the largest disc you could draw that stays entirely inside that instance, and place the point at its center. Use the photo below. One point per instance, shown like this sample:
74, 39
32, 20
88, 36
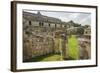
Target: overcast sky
81, 18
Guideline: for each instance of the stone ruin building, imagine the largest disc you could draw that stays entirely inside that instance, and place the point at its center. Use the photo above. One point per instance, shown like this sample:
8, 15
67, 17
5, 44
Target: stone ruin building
43, 35
40, 33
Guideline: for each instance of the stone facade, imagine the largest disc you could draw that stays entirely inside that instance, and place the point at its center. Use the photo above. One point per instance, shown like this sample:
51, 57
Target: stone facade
39, 33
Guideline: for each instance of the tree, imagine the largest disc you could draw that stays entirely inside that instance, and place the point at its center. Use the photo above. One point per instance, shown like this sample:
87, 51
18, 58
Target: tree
80, 30
77, 25
86, 26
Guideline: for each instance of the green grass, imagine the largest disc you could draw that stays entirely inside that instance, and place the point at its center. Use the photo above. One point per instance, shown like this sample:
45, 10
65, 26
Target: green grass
73, 47
50, 57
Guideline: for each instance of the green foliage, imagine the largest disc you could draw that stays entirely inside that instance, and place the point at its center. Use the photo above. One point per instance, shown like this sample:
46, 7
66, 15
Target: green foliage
80, 31
77, 25
72, 23
86, 26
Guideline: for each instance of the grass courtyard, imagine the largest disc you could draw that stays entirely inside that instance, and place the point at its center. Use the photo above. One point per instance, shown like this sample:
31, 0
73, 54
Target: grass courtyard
73, 47
50, 57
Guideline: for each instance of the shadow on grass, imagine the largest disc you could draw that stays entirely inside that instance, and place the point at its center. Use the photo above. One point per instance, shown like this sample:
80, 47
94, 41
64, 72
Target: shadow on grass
48, 57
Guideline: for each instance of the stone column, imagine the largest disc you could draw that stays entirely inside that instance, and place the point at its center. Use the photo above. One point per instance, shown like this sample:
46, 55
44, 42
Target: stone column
64, 47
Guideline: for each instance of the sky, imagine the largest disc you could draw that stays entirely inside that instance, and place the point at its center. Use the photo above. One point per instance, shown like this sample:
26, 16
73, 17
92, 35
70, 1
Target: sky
81, 18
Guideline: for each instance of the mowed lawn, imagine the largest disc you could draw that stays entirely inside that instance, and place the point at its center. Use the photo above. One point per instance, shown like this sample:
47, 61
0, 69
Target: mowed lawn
73, 47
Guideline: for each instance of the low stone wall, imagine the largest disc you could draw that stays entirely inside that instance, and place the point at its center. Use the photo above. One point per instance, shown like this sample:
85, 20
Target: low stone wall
84, 49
